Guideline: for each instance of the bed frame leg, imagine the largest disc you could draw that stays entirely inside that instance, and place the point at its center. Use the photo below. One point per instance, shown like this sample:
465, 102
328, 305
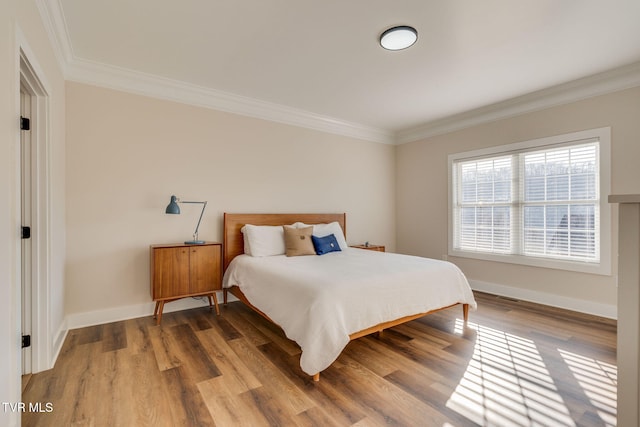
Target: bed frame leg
224, 296
465, 313
316, 377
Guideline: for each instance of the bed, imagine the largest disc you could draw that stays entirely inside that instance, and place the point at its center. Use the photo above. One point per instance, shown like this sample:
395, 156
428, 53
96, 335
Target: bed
324, 301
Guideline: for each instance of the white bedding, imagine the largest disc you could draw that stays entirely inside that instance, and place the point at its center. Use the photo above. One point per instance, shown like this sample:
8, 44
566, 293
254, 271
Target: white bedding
320, 300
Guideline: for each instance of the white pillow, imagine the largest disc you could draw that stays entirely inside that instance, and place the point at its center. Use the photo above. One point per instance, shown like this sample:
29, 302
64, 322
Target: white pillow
263, 240
245, 238
322, 230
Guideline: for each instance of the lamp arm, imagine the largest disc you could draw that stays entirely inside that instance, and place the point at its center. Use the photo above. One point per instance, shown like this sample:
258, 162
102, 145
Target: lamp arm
204, 205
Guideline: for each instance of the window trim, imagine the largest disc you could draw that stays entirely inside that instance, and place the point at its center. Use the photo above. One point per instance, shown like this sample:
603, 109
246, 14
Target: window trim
603, 135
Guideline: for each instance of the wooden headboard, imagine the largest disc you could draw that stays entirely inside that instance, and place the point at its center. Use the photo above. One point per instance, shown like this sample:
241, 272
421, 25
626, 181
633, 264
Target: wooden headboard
233, 243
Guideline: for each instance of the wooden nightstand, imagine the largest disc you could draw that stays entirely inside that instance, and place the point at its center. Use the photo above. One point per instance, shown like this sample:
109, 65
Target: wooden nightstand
379, 248
179, 271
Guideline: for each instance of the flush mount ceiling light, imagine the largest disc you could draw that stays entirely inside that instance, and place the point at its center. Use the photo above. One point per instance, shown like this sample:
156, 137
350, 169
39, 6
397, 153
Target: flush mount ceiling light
398, 38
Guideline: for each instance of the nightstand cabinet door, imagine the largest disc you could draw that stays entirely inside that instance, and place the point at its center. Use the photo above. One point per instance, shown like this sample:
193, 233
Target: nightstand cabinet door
182, 270
170, 272
204, 268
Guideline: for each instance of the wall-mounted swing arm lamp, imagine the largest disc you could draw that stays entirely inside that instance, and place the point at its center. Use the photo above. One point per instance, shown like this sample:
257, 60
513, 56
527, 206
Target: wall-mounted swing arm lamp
173, 208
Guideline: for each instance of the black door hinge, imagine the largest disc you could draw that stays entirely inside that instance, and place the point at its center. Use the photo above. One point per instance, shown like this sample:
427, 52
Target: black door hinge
26, 341
25, 123
26, 232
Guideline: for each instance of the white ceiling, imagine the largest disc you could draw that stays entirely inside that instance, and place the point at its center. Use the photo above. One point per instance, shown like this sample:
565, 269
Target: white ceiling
321, 59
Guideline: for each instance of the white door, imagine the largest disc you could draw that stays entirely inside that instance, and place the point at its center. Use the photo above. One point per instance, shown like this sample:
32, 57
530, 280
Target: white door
26, 205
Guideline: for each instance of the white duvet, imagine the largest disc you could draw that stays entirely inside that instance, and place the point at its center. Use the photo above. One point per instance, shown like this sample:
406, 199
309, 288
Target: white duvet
320, 300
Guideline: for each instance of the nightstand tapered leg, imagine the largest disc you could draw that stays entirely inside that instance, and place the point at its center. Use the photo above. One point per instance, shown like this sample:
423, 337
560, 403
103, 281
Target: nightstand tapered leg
215, 300
214, 303
160, 309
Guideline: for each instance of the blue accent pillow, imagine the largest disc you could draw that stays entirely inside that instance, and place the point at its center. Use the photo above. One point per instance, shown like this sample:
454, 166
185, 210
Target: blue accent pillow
326, 244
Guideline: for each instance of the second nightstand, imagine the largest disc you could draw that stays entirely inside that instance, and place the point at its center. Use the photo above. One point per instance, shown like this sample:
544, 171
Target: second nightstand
379, 248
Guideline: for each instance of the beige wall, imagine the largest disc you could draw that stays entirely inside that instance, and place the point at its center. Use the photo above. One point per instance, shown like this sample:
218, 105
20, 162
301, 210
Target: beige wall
21, 27
126, 154
422, 190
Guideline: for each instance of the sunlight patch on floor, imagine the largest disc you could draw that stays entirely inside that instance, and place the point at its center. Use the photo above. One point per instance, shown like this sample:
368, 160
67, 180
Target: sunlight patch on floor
507, 383
598, 380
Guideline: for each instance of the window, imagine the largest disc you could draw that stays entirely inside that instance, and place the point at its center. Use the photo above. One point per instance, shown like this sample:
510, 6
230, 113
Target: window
536, 202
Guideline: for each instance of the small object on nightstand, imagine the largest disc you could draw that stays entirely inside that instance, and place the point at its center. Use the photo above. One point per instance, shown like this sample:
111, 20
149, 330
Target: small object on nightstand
173, 208
370, 247
183, 270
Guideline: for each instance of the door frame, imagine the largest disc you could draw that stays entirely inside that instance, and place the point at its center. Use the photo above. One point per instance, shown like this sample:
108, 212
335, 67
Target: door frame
31, 77
26, 200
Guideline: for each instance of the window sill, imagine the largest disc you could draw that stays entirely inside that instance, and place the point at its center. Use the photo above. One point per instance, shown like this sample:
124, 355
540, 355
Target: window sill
602, 268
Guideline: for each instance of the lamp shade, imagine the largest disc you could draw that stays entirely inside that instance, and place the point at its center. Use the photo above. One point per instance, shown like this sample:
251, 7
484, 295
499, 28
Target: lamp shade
398, 38
172, 207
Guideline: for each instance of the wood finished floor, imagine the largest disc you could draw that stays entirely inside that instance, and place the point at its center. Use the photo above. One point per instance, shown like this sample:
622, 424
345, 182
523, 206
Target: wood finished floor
515, 364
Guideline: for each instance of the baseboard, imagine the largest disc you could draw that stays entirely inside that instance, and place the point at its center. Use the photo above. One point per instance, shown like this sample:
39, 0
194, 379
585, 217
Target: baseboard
58, 341
553, 300
116, 314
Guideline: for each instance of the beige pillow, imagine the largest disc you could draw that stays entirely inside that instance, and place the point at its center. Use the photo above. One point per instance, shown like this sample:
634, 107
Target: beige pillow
297, 241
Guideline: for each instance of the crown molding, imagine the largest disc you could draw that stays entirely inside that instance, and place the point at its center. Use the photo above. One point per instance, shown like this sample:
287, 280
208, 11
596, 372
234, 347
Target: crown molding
117, 78
56, 28
614, 80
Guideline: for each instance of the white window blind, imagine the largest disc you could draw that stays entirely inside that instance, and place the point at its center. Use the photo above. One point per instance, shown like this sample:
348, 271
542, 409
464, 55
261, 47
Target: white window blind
539, 202
560, 202
483, 205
